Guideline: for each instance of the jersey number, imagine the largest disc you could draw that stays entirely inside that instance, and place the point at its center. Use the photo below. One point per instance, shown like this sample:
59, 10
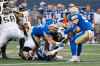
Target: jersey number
9, 19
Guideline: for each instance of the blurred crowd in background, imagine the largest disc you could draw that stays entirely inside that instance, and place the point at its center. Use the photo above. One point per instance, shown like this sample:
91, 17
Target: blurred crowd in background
59, 11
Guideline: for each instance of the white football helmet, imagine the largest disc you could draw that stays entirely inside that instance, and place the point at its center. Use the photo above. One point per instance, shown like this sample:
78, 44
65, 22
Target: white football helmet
73, 9
2, 4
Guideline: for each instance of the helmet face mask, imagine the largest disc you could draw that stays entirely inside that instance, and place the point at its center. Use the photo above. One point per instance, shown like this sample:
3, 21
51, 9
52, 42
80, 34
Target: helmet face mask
23, 7
2, 6
7, 6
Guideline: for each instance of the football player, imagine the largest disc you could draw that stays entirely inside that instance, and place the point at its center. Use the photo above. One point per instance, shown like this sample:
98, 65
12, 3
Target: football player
43, 40
84, 35
32, 43
48, 49
9, 26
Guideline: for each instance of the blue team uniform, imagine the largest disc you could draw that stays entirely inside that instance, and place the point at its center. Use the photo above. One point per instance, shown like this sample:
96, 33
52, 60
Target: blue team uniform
41, 29
82, 22
37, 31
84, 25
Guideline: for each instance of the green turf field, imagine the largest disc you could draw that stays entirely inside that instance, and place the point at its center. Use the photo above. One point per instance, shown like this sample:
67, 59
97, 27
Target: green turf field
90, 57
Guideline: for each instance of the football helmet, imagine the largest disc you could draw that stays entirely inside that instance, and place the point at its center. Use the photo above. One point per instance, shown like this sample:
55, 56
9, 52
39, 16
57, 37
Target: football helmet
23, 7
74, 10
2, 5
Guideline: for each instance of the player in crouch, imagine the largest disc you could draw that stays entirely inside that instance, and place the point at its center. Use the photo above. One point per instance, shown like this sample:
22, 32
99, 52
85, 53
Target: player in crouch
48, 45
84, 35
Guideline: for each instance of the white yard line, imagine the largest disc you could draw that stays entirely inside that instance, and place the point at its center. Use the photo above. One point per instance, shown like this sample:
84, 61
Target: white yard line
42, 63
93, 44
30, 63
19, 64
90, 54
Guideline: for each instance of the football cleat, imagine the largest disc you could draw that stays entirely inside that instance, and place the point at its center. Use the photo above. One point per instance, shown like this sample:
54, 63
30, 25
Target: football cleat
74, 59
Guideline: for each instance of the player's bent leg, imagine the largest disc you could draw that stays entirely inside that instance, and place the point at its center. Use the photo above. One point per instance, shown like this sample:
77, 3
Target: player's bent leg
29, 49
3, 42
21, 43
79, 50
87, 35
20, 35
74, 49
3, 52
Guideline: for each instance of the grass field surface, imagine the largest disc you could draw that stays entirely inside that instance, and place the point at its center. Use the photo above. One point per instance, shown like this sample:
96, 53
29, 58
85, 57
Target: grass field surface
89, 57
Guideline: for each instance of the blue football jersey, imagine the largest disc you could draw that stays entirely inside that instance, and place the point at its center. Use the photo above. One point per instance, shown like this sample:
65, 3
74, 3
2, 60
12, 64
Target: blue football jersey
81, 22
37, 31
